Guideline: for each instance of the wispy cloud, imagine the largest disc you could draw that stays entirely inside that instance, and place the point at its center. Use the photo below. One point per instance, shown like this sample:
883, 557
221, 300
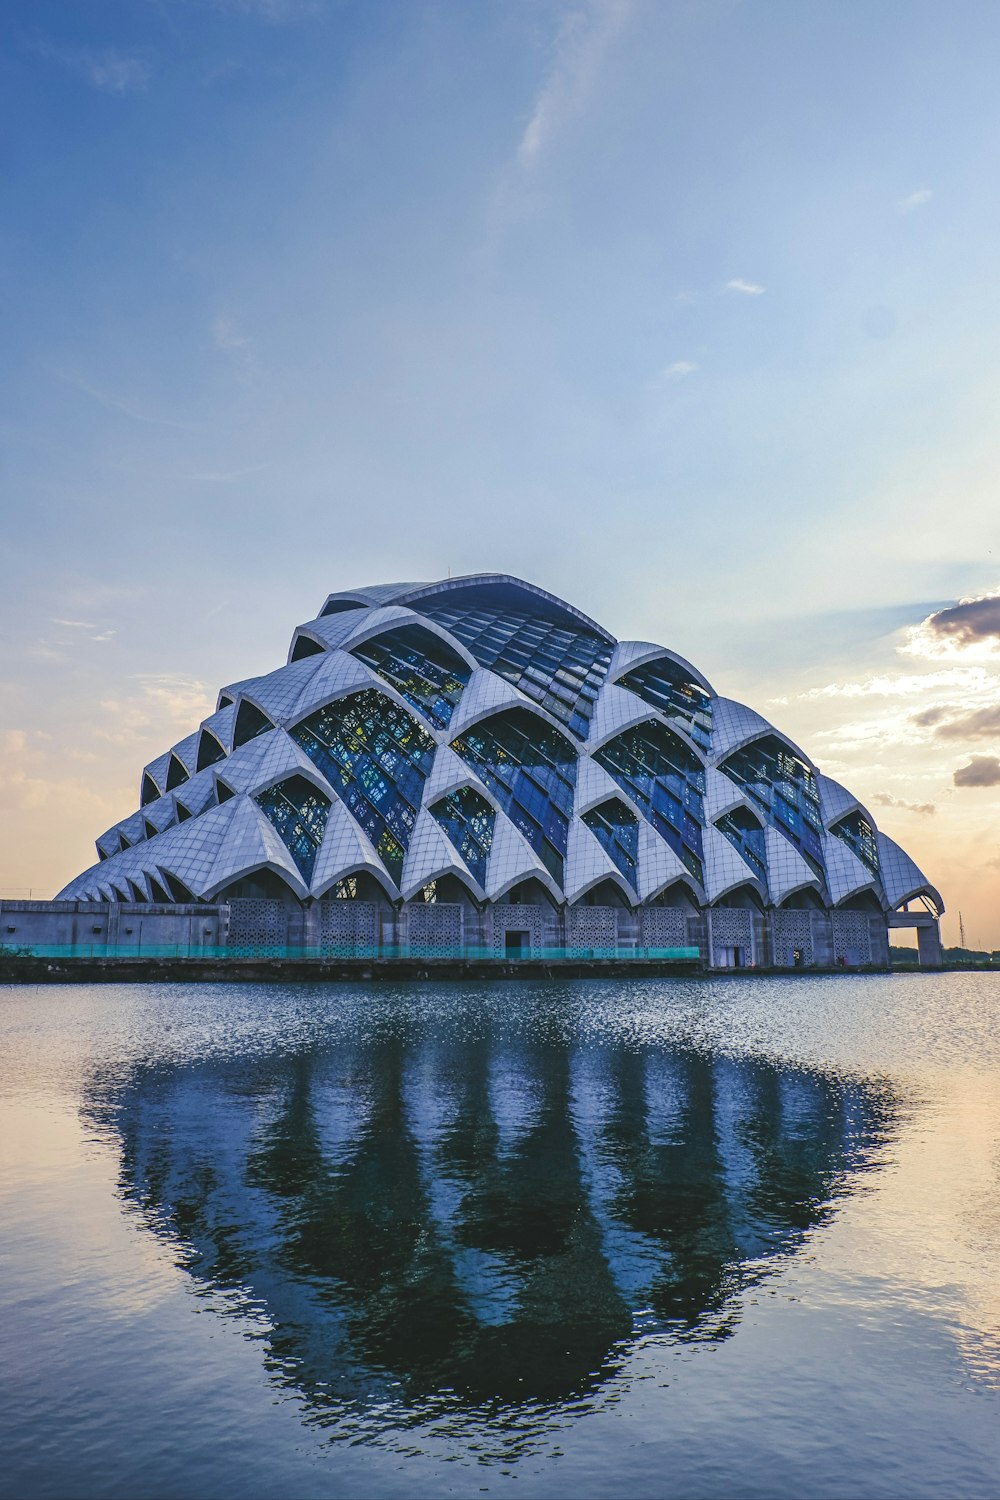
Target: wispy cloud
110, 71
908, 685
115, 403
276, 12
230, 339
226, 476
583, 39
747, 288
73, 624
680, 367
162, 703
915, 200
886, 799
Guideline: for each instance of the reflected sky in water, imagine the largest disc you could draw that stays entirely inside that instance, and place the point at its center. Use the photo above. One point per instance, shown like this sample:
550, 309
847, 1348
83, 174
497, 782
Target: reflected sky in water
562, 1233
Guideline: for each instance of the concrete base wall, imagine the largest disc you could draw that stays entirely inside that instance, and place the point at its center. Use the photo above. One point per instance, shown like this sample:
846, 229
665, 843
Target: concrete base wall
99, 925
718, 937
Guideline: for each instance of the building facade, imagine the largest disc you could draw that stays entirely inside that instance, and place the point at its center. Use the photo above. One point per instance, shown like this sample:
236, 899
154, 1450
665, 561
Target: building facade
474, 767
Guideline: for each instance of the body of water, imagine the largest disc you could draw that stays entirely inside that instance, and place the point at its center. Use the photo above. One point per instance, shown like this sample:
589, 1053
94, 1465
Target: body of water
568, 1238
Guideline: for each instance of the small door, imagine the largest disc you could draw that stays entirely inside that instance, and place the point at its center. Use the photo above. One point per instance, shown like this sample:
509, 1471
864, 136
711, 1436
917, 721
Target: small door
516, 944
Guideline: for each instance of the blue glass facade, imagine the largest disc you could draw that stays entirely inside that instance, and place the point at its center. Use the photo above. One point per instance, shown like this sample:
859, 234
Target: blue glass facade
666, 686
531, 770
376, 757
785, 788
559, 668
662, 775
421, 667
859, 836
617, 830
746, 835
299, 812
468, 820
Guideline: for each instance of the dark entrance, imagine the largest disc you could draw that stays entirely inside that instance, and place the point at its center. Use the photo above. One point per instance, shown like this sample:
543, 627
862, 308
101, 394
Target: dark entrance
516, 944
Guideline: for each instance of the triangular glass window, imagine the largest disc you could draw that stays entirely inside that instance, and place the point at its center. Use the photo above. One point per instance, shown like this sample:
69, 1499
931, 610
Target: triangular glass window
305, 646
299, 811
250, 722
176, 774
158, 893
178, 890
150, 791
209, 750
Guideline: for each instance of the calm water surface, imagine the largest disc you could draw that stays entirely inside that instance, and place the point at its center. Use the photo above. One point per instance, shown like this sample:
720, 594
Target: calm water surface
588, 1238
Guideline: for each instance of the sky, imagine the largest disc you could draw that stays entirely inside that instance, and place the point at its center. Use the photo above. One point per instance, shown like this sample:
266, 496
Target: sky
686, 312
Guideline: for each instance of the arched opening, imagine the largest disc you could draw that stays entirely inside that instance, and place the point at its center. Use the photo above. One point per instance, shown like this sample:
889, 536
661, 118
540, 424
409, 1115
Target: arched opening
250, 722
258, 885
861, 901
176, 773
338, 606
677, 895
209, 750
305, 646
178, 890
448, 889
362, 886
529, 892
806, 899
150, 791
605, 893
743, 897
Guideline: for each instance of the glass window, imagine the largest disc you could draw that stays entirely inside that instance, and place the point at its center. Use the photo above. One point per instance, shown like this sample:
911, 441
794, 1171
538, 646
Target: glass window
299, 812
617, 829
421, 667
669, 688
667, 780
785, 788
859, 835
512, 752
559, 668
746, 835
375, 756
468, 820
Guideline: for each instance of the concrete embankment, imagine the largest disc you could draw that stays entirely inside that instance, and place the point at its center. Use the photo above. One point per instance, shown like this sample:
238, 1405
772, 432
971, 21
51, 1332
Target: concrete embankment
32, 970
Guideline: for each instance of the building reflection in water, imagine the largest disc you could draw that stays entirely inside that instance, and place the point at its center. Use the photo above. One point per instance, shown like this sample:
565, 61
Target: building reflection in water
456, 1222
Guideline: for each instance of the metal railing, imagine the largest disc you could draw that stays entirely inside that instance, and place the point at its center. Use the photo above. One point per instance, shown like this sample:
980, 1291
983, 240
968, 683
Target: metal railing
333, 951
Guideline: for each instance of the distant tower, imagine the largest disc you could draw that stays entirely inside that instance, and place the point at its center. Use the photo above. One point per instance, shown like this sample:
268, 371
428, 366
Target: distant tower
961, 930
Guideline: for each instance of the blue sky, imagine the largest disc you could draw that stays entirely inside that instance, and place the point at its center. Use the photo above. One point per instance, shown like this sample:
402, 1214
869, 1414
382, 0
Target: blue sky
685, 312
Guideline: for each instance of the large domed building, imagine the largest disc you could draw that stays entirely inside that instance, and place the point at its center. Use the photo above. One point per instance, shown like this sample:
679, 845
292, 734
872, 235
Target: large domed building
475, 767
